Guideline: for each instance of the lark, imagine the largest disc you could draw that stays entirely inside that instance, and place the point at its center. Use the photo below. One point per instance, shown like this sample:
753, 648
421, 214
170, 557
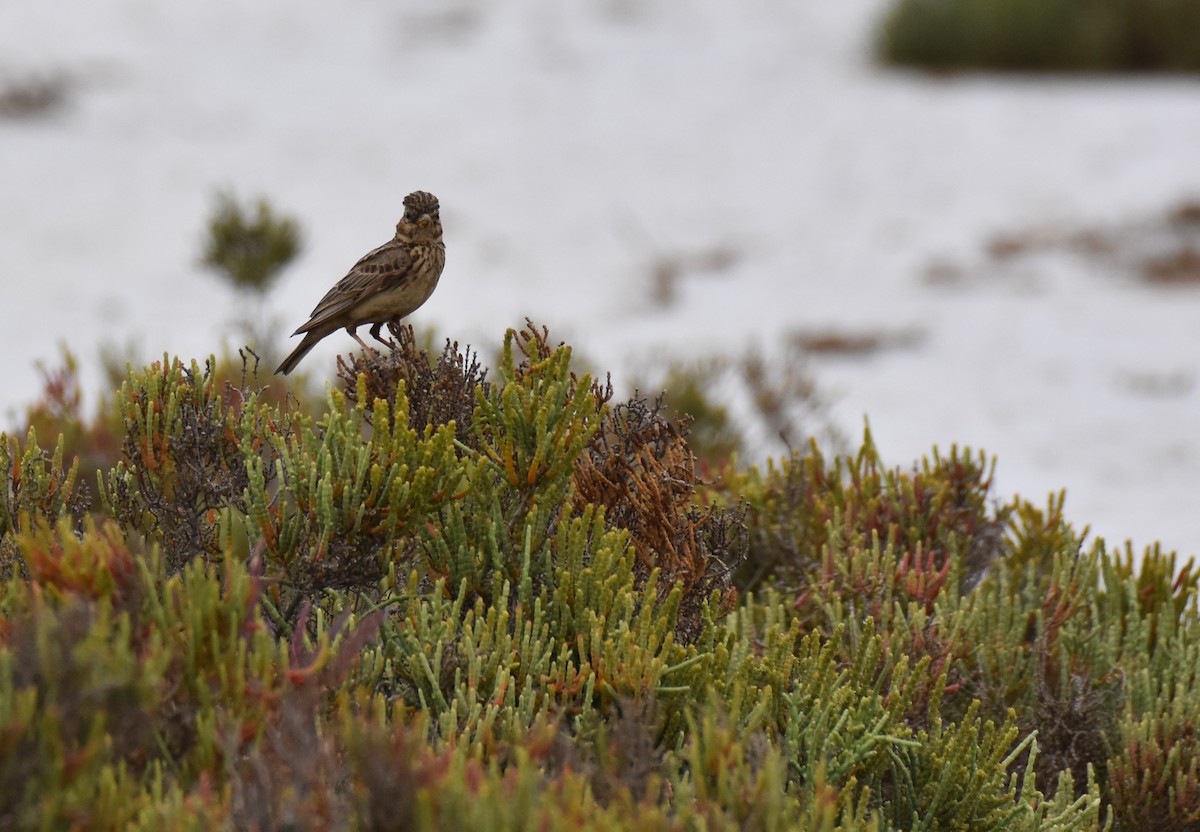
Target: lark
386, 285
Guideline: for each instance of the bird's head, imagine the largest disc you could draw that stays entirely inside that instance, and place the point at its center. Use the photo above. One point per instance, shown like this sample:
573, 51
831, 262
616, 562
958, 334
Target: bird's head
422, 219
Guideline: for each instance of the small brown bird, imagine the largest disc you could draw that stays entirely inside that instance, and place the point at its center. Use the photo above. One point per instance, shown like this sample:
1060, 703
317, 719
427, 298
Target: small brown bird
385, 285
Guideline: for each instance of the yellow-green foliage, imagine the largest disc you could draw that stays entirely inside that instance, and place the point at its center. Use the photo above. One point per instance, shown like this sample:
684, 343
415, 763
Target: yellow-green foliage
186, 446
334, 504
386, 618
114, 673
35, 486
529, 428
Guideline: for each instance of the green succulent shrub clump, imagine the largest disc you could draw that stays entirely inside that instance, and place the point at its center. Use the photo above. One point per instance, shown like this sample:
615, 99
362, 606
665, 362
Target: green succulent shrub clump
451, 597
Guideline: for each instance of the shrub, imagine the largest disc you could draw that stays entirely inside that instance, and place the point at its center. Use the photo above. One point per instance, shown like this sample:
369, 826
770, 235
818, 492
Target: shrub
508, 603
1043, 35
249, 247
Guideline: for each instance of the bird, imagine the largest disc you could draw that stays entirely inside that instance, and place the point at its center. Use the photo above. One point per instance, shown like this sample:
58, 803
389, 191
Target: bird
387, 284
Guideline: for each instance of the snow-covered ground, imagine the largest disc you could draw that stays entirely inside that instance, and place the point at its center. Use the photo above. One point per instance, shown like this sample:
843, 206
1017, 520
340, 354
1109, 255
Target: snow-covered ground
575, 144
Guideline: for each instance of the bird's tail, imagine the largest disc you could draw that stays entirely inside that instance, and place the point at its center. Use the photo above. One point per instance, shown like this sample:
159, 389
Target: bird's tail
309, 341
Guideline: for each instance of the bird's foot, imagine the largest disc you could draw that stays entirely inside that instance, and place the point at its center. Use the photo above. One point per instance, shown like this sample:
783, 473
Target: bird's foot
375, 334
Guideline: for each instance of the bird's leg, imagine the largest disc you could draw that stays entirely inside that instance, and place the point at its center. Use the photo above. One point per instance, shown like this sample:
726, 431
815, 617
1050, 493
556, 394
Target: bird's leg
375, 334
354, 334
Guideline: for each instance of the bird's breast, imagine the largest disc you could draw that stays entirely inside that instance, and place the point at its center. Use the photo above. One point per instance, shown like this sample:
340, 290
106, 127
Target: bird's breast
398, 301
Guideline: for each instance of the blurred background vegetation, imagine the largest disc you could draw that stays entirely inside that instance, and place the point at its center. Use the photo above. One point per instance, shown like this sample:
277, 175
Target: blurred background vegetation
248, 247
1043, 35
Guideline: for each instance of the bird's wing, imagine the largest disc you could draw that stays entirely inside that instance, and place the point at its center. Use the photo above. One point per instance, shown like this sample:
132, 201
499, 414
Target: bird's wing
378, 271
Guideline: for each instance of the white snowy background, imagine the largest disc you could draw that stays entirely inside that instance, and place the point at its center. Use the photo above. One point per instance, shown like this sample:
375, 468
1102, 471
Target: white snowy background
572, 145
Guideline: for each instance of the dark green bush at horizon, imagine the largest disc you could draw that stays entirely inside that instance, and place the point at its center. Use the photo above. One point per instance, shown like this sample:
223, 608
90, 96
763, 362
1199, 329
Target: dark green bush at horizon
468, 598
1043, 35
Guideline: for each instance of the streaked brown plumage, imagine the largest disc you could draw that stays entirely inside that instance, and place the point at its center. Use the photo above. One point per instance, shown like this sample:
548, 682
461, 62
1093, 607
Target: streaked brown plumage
385, 285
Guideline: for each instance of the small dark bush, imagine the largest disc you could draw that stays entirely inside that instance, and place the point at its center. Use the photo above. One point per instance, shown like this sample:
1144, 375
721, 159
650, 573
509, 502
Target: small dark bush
35, 96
